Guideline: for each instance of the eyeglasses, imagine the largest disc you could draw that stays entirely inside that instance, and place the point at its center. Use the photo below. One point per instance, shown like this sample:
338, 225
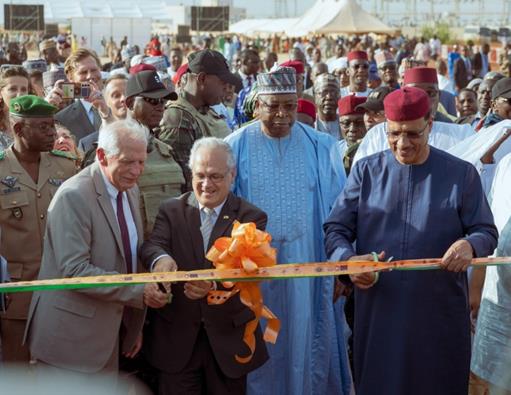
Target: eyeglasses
395, 135
154, 102
274, 107
215, 178
357, 123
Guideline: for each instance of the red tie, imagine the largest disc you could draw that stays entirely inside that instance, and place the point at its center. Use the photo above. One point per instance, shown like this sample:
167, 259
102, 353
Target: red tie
125, 236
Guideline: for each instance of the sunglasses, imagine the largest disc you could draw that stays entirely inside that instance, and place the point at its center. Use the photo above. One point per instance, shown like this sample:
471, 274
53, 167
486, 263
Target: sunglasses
154, 102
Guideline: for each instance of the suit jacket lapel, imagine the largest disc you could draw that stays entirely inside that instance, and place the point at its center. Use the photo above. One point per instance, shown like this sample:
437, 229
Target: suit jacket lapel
106, 206
192, 215
97, 119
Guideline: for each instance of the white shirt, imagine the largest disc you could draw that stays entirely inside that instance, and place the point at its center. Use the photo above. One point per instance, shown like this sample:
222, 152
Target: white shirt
346, 91
442, 136
130, 222
245, 79
473, 148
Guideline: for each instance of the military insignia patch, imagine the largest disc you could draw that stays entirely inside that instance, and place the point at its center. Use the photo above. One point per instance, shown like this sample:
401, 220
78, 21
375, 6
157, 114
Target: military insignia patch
16, 107
9, 181
56, 181
17, 213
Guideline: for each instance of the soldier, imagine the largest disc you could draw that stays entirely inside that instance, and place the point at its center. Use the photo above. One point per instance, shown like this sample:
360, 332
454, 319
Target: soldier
190, 117
30, 174
163, 177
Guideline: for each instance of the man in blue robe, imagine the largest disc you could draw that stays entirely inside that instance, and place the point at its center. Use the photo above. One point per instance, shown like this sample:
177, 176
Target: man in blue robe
284, 168
412, 328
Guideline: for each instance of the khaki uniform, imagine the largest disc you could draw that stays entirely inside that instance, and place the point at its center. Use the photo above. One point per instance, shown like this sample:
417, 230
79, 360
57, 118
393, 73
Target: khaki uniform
23, 207
162, 179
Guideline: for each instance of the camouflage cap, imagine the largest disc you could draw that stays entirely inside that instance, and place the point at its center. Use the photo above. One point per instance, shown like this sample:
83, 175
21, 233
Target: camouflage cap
31, 106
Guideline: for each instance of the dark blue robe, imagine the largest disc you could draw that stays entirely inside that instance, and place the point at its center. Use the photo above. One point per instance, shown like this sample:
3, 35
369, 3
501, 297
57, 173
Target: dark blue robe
412, 328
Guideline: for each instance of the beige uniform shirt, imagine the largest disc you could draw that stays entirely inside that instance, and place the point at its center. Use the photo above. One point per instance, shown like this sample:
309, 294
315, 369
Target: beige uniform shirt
23, 207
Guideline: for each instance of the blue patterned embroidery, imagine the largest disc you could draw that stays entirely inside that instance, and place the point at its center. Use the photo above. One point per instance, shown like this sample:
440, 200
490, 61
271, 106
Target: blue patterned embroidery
279, 184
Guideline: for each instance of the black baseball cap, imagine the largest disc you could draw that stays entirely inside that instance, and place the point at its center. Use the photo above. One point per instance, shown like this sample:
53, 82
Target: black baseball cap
502, 88
147, 83
374, 100
212, 62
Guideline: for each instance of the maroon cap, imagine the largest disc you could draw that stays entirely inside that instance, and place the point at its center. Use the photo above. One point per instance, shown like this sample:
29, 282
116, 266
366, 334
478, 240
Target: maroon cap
418, 75
141, 67
295, 64
348, 105
354, 55
182, 70
307, 107
406, 104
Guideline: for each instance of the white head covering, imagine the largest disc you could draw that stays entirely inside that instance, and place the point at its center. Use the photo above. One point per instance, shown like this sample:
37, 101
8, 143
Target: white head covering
137, 59
339, 63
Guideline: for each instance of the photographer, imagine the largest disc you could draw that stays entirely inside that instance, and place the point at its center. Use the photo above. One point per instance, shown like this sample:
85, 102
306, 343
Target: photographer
87, 109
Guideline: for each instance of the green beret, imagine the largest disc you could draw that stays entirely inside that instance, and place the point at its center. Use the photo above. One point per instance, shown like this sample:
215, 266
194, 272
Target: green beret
31, 106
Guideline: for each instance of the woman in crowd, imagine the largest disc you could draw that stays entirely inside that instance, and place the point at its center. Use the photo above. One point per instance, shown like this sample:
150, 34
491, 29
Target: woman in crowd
14, 82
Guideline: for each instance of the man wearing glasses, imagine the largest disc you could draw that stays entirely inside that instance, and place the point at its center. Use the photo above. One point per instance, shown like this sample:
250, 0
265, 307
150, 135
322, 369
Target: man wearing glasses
193, 344
387, 69
443, 135
284, 168
163, 177
402, 203
358, 71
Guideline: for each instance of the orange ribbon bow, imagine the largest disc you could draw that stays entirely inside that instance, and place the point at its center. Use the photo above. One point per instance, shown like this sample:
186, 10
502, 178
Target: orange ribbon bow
248, 249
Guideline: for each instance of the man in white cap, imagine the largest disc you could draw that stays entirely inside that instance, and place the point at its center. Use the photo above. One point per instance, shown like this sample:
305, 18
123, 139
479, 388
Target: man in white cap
284, 168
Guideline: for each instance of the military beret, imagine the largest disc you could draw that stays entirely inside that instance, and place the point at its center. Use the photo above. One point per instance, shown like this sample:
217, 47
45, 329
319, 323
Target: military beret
31, 106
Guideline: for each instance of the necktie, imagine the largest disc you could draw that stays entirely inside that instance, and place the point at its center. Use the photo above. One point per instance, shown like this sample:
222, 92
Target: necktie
207, 226
124, 233
249, 78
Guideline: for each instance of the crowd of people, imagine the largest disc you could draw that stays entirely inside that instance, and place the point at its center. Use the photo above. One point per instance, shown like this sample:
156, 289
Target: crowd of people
341, 149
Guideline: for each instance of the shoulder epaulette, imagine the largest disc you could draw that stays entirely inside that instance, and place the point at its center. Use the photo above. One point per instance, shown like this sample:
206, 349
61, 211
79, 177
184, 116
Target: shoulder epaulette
163, 148
63, 154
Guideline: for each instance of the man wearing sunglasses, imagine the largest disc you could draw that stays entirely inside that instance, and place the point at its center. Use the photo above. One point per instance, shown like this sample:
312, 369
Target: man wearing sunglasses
358, 72
163, 176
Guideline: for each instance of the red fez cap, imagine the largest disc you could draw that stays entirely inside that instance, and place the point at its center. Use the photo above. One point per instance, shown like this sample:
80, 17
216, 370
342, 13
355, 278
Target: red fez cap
183, 69
307, 107
348, 105
141, 67
417, 75
354, 55
406, 104
295, 64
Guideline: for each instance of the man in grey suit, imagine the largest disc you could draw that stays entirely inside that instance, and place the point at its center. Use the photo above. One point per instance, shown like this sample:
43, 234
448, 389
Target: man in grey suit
94, 228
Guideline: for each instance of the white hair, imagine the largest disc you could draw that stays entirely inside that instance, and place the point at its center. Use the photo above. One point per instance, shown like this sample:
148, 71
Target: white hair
111, 135
212, 143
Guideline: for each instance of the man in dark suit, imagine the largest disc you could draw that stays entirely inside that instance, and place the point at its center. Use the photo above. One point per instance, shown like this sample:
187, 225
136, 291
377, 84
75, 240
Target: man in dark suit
480, 62
192, 344
84, 115
463, 69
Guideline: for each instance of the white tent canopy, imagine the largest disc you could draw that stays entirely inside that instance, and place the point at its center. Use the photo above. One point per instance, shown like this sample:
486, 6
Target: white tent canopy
255, 26
325, 16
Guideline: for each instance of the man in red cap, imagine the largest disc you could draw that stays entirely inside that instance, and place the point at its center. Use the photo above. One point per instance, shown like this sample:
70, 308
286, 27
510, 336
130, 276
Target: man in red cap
353, 130
402, 203
426, 79
358, 71
306, 112
443, 135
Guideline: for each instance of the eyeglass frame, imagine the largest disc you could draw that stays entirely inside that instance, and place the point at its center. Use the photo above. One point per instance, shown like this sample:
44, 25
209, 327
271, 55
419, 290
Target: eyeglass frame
215, 178
276, 109
411, 135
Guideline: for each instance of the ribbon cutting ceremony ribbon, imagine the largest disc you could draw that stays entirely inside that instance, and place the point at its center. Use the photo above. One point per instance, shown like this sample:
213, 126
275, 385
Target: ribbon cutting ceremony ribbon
241, 262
